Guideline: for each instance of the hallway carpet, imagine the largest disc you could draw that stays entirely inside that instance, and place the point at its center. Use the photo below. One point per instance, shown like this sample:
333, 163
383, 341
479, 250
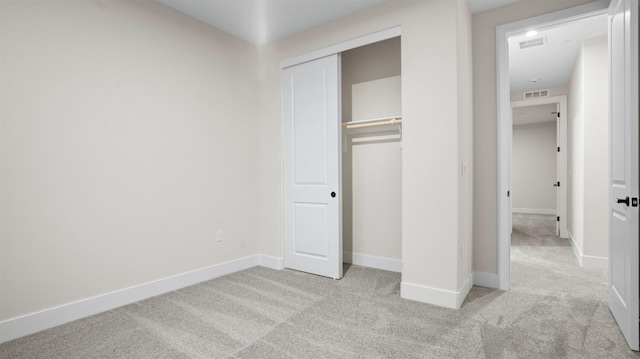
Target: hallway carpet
554, 310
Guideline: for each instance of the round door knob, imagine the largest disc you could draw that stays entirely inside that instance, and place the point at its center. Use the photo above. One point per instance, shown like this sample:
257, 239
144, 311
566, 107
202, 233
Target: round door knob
333, 194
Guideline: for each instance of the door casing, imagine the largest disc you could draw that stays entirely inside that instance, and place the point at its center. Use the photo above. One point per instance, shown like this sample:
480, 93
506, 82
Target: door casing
503, 33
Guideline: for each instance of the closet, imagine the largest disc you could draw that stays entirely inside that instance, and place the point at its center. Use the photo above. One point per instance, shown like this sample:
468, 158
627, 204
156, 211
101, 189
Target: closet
372, 155
342, 136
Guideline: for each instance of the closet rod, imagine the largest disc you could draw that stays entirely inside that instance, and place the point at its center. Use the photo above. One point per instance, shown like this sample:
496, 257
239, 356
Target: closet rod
382, 122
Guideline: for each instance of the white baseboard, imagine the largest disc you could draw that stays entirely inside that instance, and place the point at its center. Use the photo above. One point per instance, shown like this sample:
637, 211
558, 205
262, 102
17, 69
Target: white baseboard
487, 280
276, 263
32, 323
390, 264
576, 250
534, 211
595, 262
464, 291
587, 261
440, 297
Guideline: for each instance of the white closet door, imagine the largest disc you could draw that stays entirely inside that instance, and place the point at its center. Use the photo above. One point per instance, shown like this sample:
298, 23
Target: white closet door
312, 183
623, 203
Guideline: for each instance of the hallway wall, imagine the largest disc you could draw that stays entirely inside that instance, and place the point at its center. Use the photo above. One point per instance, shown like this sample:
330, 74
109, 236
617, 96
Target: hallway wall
588, 157
533, 168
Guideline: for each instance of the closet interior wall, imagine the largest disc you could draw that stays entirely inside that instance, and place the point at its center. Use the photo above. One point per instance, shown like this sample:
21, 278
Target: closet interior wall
371, 179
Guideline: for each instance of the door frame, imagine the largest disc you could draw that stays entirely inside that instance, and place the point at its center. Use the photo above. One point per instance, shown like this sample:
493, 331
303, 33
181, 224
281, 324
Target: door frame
343, 46
314, 55
564, 151
503, 32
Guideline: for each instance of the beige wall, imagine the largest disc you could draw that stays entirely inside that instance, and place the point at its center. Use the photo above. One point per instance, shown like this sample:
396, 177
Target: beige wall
132, 133
589, 165
596, 166
465, 144
128, 138
430, 106
376, 228
485, 120
575, 129
367, 63
533, 168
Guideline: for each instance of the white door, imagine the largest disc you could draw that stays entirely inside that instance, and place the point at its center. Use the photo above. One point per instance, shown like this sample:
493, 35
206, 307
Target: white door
559, 170
623, 211
312, 182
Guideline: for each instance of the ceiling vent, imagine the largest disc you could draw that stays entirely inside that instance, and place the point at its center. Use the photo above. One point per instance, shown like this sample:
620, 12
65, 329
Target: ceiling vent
533, 43
536, 94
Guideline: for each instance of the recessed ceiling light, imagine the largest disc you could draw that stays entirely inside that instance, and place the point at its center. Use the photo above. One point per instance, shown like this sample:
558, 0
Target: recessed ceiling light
535, 80
531, 33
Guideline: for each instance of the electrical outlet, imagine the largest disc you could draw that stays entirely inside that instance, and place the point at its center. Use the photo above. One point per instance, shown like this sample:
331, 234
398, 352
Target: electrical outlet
218, 236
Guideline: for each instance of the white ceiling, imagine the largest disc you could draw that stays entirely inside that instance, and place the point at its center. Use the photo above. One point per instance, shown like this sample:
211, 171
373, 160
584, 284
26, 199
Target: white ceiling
264, 21
477, 6
534, 114
552, 63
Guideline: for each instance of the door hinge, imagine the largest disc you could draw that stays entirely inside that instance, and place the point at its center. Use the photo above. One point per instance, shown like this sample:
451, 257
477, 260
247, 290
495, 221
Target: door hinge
558, 219
558, 183
558, 114
558, 149
634, 202
508, 193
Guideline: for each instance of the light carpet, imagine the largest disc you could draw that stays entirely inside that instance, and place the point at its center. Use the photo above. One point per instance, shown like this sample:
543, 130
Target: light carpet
554, 310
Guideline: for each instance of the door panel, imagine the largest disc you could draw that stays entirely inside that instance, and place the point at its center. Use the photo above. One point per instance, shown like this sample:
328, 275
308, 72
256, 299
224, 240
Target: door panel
619, 143
623, 293
310, 128
311, 150
310, 230
619, 267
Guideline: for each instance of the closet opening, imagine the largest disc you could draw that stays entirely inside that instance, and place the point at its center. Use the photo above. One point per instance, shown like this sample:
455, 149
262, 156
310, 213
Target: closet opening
342, 157
372, 155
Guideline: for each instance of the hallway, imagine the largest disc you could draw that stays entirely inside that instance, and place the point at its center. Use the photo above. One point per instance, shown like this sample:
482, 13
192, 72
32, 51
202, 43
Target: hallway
542, 263
570, 299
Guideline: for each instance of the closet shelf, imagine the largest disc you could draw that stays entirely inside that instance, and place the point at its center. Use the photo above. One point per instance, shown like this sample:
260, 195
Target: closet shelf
395, 120
355, 131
